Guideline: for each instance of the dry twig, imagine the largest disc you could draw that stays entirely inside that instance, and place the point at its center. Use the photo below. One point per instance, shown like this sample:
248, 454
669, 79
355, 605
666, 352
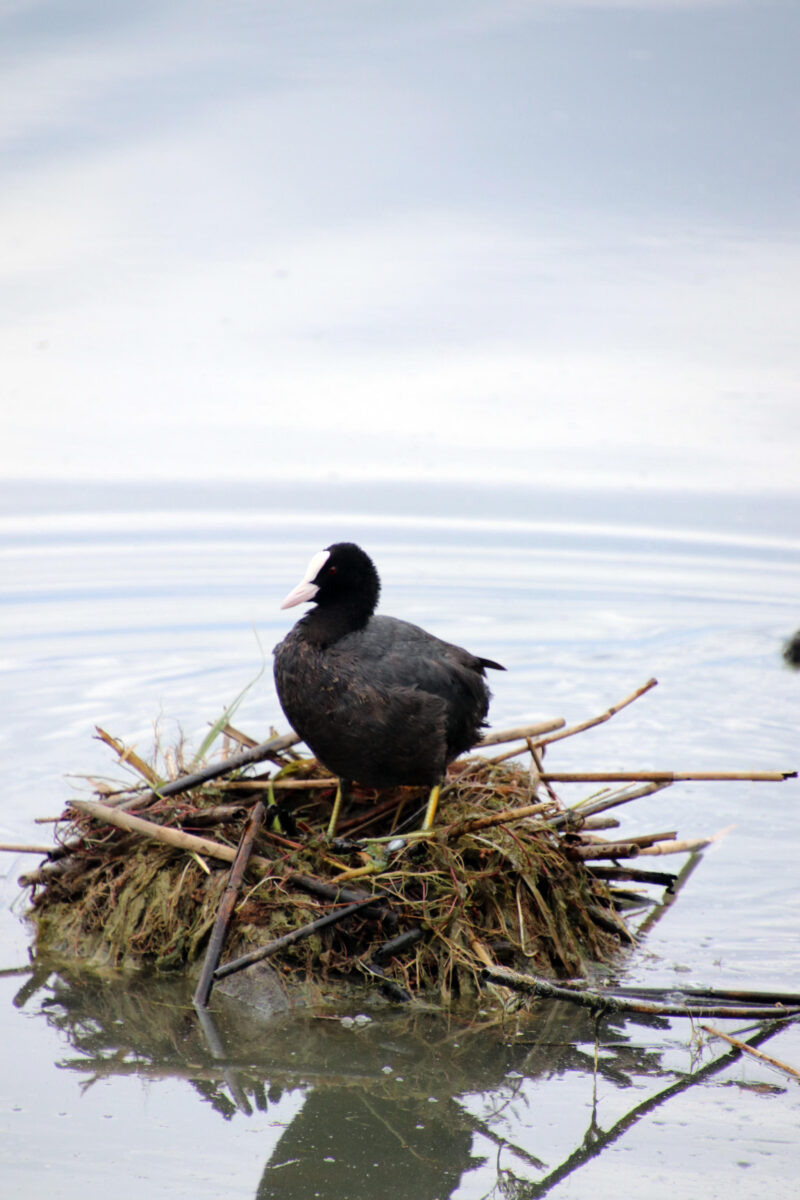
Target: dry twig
296, 935
740, 1045
573, 729
243, 853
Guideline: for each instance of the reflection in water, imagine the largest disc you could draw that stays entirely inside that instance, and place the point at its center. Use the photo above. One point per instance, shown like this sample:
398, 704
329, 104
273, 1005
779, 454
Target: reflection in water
345, 1143
413, 1101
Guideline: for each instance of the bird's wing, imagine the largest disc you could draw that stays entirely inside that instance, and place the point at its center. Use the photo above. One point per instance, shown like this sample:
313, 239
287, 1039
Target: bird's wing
396, 654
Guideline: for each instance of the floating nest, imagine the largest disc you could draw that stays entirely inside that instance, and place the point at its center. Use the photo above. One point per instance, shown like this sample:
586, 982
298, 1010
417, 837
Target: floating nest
510, 875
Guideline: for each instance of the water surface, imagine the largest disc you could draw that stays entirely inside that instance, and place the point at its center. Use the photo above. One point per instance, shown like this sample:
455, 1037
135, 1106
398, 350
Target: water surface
117, 614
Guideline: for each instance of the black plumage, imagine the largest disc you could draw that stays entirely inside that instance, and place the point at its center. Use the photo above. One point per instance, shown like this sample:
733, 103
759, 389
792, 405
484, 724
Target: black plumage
379, 701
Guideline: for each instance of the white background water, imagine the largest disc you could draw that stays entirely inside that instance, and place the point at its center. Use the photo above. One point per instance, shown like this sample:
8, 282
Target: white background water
507, 293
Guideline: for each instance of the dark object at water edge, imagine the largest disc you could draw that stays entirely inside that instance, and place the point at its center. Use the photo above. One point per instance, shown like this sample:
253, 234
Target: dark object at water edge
791, 650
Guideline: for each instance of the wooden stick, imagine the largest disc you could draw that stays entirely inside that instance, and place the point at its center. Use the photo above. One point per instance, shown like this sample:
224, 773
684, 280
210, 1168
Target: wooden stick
404, 941
236, 735
604, 716
159, 833
24, 849
608, 1003
185, 783
607, 919
639, 845
172, 837
634, 875
501, 818
647, 839
255, 785
413, 835
390, 989
573, 817
43, 874
514, 752
536, 771
327, 891
288, 939
687, 846
188, 841
217, 815
767, 1058
522, 731
226, 907
790, 999
665, 776
573, 729
373, 868
363, 819
605, 850
127, 755
480, 951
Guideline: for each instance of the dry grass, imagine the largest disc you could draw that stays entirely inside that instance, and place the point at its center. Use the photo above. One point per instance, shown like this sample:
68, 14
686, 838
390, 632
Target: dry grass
512, 892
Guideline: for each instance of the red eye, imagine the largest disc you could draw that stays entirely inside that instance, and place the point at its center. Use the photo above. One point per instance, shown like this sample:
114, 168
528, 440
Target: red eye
332, 570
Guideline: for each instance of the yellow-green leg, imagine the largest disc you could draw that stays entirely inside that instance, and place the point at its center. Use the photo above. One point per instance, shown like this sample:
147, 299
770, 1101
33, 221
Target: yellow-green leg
342, 789
433, 804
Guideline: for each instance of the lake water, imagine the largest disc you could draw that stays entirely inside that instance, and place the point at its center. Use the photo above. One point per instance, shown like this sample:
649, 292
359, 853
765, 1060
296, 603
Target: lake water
506, 292
122, 605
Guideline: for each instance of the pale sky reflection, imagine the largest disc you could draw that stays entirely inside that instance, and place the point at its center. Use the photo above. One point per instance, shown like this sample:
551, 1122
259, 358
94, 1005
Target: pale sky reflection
243, 246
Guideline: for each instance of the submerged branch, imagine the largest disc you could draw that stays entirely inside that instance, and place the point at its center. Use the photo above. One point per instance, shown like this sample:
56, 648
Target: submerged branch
692, 991
740, 1045
607, 1002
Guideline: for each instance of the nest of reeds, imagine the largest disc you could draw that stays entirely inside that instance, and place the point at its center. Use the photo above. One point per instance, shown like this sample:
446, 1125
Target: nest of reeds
142, 876
513, 892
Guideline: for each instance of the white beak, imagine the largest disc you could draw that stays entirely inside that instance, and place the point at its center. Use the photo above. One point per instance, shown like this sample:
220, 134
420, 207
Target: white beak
306, 588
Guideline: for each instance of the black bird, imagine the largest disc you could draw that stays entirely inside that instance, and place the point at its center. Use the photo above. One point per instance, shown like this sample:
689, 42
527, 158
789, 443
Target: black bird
379, 701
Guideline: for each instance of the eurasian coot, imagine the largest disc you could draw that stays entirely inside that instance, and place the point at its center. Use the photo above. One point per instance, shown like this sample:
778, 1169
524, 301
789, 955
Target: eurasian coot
379, 701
